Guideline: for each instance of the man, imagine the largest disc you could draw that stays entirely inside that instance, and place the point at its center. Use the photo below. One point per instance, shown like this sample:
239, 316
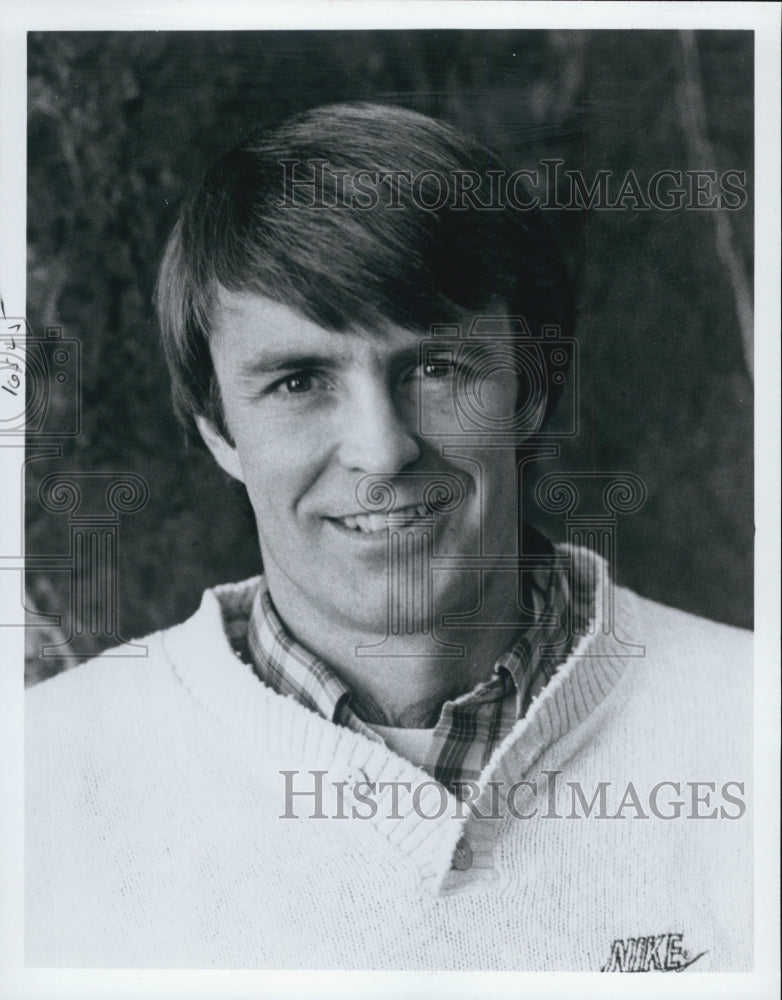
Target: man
425, 737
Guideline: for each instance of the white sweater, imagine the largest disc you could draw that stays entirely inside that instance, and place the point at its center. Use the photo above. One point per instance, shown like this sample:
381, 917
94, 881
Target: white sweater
155, 837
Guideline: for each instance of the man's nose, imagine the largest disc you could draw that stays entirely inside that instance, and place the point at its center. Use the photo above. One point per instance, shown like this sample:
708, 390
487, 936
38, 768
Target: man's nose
375, 435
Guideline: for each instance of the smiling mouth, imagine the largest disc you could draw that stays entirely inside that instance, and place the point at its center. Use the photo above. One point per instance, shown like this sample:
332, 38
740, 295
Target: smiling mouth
368, 524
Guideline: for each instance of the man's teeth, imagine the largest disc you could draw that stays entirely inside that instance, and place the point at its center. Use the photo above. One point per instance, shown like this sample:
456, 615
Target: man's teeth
377, 522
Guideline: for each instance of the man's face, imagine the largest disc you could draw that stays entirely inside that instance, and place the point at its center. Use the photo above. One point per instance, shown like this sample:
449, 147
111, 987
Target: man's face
312, 413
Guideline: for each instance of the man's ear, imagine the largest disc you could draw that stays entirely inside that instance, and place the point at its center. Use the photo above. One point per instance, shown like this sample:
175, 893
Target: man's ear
224, 454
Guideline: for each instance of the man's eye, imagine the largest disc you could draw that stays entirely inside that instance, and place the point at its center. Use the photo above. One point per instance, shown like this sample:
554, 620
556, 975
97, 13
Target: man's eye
438, 369
296, 384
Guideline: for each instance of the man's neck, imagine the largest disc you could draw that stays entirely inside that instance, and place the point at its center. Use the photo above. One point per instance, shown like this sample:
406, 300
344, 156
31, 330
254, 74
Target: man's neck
406, 682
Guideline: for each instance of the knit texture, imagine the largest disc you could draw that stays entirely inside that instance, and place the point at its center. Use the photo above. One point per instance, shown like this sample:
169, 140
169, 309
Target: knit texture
155, 797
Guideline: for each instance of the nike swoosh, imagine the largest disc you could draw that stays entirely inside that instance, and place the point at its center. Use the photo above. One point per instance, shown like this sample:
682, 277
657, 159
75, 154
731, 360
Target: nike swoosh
686, 965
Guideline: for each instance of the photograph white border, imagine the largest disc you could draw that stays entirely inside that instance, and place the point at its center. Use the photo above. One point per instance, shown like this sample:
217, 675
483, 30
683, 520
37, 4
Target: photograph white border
764, 18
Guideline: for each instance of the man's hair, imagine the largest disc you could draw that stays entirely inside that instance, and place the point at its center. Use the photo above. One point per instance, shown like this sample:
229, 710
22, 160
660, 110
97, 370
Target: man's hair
252, 225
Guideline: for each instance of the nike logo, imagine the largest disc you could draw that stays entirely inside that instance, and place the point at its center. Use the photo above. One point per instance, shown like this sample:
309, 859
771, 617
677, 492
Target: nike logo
650, 953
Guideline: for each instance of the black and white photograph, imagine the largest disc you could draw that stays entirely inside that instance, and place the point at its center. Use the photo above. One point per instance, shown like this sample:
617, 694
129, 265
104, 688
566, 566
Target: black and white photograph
389, 402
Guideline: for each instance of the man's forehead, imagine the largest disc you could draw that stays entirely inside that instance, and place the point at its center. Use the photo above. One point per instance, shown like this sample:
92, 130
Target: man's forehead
245, 321
256, 319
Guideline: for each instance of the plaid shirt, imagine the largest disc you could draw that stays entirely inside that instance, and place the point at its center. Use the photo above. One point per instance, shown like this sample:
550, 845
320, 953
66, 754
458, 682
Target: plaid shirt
470, 727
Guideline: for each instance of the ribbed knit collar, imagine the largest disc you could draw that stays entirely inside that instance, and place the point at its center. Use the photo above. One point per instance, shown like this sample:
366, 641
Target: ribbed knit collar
298, 738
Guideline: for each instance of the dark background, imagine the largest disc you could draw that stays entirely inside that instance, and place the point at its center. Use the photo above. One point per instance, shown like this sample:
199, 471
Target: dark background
122, 124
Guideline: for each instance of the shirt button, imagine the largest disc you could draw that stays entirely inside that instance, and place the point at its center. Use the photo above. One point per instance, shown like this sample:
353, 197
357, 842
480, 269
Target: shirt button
462, 856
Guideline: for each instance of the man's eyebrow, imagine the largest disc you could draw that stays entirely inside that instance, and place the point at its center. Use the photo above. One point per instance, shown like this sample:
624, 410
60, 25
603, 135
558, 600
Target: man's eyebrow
270, 361
279, 361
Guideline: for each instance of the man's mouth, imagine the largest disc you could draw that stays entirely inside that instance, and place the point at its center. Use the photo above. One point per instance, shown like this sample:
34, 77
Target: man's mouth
369, 523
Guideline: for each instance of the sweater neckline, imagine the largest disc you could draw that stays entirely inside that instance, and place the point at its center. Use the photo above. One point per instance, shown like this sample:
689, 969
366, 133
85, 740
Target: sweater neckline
228, 689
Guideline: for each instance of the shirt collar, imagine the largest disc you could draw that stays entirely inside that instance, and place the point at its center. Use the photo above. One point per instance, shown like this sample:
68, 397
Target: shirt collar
291, 669
286, 665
